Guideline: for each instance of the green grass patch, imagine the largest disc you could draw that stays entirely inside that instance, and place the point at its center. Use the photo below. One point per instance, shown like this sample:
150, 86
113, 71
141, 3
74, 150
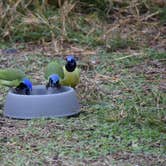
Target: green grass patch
130, 118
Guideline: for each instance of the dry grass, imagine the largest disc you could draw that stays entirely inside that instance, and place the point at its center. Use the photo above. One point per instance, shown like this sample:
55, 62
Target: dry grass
125, 23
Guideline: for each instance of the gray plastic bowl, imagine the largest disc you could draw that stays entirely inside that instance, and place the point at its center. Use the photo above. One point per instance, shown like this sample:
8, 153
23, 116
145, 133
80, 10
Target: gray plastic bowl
42, 103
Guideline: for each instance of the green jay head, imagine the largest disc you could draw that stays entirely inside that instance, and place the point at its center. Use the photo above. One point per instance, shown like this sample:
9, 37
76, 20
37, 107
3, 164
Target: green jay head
54, 81
70, 63
25, 87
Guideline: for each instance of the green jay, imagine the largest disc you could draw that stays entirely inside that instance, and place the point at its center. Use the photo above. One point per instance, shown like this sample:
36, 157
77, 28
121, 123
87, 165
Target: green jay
15, 79
71, 72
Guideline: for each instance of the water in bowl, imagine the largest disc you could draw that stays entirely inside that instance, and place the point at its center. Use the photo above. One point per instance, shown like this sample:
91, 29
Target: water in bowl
41, 90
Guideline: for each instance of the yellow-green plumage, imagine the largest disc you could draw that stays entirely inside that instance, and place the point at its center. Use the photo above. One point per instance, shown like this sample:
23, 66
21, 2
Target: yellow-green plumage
71, 78
10, 77
54, 68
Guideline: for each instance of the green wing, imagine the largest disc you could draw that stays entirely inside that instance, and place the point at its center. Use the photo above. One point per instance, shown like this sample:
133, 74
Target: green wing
54, 68
11, 74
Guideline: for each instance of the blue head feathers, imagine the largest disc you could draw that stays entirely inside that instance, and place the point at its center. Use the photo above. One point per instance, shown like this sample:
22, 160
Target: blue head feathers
54, 77
28, 83
70, 58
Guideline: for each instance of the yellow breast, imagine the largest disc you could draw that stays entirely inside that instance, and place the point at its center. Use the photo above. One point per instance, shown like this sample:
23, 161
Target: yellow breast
71, 78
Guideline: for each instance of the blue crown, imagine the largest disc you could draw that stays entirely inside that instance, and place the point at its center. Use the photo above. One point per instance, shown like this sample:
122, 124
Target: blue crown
27, 82
69, 58
54, 77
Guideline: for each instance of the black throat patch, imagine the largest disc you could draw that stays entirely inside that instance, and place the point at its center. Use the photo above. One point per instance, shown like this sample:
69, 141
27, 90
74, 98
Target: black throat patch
70, 67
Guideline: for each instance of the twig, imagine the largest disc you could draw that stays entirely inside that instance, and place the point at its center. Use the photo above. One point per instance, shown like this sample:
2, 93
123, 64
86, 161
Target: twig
149, 16
158, 35
128, 56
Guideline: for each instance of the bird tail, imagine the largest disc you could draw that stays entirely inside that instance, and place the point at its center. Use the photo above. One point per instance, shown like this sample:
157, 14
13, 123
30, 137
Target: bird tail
9, 83
11, 74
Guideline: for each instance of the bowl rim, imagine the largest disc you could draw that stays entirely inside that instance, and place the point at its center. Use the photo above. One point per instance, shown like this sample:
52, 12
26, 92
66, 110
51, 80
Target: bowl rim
69, 89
